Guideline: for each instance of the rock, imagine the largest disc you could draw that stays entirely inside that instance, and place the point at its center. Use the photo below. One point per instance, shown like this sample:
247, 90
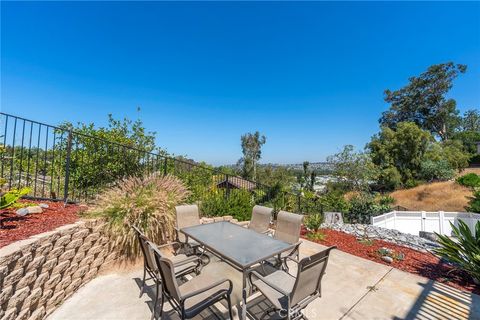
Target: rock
43, 205
387, 259
28, 210
374, 232
333, 217
22, 212
428, 235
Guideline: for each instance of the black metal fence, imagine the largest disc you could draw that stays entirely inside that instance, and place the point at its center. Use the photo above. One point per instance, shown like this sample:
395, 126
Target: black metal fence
60, 164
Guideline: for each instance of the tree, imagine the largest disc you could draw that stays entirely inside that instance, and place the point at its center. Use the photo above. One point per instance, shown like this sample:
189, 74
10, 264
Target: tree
271, 176
354, 169
307, 177
403, 149
452, 151
469, 140
252, 152
471, 121
98, 154
423, 101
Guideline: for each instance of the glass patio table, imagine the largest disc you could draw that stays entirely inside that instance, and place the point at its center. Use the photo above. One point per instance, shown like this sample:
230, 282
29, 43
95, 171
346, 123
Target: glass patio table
238, 246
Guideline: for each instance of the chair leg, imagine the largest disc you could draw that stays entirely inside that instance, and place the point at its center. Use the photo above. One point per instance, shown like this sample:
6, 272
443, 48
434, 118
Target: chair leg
161, 306
156, 301
230, 313
143, 281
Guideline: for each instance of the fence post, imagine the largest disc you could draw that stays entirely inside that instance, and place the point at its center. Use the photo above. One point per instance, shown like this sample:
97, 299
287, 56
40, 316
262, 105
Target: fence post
67, 167
165, 166
441, 218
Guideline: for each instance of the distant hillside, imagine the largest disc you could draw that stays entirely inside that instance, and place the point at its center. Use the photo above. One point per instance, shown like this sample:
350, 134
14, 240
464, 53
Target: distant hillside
446, 196
323, 167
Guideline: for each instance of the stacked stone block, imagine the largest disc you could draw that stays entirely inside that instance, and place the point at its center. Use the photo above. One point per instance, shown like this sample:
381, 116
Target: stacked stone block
39, 273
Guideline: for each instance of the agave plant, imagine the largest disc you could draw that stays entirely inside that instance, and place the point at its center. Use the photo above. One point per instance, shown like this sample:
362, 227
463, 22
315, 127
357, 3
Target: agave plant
145, 202
464, 251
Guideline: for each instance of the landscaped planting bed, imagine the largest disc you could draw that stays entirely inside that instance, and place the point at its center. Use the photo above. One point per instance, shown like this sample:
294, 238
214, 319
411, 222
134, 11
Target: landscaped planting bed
18, 228
423, 264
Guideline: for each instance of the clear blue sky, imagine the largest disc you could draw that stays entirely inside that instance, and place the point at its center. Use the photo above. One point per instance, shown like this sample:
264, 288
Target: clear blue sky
310, 76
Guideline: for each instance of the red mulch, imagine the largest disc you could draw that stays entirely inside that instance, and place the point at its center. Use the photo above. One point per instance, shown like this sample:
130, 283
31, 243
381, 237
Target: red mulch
423, 264
18, 228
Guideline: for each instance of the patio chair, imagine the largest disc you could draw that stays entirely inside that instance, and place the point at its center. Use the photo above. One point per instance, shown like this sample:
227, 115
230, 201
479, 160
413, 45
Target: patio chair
289, 295
149, 266
194, 296
261, 217
288, 229
182, 264
187, 216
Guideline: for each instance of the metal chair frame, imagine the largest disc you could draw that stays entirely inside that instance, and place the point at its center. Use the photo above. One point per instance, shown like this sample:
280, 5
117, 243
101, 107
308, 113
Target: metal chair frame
179, 306
294, 312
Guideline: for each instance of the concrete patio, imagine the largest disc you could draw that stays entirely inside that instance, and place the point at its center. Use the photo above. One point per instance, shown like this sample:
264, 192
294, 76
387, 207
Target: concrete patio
353, 288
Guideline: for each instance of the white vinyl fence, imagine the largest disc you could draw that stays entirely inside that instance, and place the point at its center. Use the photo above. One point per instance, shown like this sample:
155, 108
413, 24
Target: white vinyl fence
413, 222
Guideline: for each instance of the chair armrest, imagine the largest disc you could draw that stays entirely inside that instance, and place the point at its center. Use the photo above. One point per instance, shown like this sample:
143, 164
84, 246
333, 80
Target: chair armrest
295, 249
261, 278
291, 259
211, 286
177, 232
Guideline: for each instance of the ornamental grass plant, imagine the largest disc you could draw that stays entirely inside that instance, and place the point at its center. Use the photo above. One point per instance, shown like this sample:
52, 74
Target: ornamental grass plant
146, 202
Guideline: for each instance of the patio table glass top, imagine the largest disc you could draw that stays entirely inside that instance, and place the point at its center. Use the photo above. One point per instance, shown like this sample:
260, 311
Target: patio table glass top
241, 246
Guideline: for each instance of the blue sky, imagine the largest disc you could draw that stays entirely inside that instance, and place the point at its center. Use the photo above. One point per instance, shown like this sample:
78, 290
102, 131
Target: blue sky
310, 76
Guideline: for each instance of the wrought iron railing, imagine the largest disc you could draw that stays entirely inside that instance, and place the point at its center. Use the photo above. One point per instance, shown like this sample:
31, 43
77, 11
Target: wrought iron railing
61, 164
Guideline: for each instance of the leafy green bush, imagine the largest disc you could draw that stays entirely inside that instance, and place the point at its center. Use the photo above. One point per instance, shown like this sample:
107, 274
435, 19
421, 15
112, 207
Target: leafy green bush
145, 202
10, 197
365, 205
436, 170
239, 204
464, 251
474, 203
470, 180
316, 236
313, 221
334, 201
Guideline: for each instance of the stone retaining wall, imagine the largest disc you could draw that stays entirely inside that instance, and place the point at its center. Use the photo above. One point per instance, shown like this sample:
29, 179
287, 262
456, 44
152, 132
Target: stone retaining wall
39, 273
390, 235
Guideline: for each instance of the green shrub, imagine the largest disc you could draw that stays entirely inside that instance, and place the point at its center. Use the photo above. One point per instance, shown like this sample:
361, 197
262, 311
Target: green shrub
436, 170
470, 180
389, 178
10, 197
464, 251
145, 202
316, 236
474, 203
334, 201
313, 221
238, 203
365, 205
366, 241
411, 183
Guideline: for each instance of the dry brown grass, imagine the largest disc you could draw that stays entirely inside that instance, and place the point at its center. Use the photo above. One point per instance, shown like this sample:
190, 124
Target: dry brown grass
446, 196
469, 170
145, 202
